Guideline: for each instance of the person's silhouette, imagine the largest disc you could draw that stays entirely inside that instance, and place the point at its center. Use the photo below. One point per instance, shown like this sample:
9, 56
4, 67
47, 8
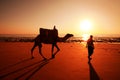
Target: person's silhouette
90, 47
56, 31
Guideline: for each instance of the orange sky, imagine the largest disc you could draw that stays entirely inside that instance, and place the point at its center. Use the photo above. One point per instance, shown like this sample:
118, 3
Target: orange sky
27, 16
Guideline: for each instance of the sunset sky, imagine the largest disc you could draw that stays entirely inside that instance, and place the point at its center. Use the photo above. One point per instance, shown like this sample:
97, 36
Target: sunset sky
70, 16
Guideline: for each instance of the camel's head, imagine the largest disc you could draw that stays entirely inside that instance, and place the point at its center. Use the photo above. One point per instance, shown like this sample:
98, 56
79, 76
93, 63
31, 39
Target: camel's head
65, 37
69, 35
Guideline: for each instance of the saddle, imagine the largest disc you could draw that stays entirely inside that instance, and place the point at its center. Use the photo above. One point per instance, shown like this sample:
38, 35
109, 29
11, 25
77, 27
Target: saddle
49, 34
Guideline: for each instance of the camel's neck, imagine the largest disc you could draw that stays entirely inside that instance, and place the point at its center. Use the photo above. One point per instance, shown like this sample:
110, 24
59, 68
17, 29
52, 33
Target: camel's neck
63, 39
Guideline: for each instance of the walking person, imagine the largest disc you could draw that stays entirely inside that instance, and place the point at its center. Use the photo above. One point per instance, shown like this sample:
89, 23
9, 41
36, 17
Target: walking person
90, 47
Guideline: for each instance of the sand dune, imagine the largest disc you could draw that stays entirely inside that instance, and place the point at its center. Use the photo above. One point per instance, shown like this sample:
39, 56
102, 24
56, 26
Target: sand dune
71, 62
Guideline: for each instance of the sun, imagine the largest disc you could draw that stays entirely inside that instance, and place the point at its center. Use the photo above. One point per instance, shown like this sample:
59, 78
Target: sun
85, 25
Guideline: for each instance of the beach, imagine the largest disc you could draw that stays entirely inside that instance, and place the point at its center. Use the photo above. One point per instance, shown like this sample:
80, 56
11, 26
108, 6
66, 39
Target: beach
70, 63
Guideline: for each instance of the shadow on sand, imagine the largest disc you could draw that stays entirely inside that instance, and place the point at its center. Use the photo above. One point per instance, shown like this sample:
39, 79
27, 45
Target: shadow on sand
30, 69
9, 66
93, 73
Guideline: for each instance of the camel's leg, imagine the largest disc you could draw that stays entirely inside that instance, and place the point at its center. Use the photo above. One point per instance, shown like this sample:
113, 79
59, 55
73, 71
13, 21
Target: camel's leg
52, 50
53, 55
33, 49
58, 49
40, 46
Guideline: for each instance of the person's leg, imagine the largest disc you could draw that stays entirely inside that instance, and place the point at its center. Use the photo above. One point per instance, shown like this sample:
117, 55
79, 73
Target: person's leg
90, 50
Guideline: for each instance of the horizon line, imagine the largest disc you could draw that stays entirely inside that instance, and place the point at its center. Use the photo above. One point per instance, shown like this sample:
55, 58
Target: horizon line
77, 35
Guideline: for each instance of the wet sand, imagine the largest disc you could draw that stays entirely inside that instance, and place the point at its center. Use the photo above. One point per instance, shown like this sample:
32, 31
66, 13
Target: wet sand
70, 63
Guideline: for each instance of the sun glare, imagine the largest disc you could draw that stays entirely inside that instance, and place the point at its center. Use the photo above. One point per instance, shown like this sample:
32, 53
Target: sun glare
85, 37
85, 25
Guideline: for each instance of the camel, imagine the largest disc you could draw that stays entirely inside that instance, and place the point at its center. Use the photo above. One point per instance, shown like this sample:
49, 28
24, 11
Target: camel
48, 36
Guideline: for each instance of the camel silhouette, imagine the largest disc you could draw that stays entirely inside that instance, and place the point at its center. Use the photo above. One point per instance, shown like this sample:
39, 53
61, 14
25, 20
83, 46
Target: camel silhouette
48, 36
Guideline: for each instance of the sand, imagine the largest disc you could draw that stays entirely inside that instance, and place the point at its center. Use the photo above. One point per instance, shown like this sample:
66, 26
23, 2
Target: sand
70, 63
